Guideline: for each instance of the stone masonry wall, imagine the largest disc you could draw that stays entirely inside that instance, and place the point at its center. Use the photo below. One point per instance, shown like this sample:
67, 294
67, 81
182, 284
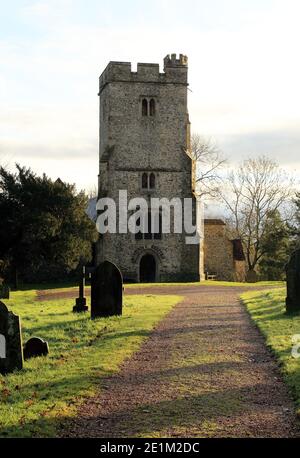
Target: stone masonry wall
131, 144
218, 253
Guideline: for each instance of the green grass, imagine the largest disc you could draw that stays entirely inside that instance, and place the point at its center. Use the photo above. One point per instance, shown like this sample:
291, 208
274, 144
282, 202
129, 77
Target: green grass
42, 286
208, 283
72, 286
267, 309
34, 401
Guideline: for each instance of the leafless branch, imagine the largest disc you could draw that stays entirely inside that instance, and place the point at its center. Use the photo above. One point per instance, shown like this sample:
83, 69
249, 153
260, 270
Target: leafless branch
209, 161
256, 190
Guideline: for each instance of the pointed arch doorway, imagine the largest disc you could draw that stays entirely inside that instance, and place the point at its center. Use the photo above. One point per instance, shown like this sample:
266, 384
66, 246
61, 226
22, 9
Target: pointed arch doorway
148, 269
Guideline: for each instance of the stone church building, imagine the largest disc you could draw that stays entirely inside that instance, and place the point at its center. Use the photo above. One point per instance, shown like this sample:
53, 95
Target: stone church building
144, 145
223, 257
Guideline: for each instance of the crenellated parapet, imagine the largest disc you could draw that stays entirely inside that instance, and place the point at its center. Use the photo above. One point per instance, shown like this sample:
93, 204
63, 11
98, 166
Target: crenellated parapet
175, 71
171, 60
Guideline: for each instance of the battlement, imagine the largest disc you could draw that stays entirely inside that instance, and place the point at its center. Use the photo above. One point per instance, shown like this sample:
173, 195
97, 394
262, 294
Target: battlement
175, 71
172, 61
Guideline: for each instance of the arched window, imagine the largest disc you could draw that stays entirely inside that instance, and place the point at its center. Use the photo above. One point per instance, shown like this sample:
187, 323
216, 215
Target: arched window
145, 181
145, 107
152, 181
152, 107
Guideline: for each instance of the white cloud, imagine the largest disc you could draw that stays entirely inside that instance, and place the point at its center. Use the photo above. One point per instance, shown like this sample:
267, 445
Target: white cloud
244, 78
45, 11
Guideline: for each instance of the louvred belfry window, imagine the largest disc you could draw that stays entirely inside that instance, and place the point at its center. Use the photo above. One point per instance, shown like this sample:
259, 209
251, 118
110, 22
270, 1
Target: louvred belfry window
145, 181
152, 181
152, 107
145, 107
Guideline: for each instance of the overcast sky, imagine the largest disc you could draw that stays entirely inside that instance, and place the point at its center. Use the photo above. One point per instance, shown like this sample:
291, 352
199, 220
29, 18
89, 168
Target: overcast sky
244, 72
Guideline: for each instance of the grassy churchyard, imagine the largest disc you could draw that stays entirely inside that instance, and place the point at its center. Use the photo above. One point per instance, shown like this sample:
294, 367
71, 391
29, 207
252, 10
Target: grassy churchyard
209, 283
267, 309
48, 389
35, 401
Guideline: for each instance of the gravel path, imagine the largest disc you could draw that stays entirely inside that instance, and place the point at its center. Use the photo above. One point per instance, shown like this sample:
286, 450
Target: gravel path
203, 372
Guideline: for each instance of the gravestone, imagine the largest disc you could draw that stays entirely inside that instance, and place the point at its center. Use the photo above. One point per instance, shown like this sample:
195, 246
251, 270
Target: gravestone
11, 354
4, 291
35, 347
106, 291
81, 300
292, 269
251, 276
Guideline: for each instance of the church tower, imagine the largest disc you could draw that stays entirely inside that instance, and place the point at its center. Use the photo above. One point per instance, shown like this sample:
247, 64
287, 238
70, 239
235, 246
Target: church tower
144, 144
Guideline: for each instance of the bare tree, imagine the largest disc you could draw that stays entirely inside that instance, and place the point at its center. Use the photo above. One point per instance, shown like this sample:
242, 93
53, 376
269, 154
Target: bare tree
209, 161
92, 192
255, 191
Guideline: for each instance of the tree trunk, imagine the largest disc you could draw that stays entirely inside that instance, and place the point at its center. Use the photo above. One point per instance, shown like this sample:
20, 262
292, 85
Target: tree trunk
15, 277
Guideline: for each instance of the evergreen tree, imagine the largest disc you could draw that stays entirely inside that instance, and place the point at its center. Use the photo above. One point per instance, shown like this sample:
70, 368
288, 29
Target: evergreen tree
295, 227
44, 230
275, 245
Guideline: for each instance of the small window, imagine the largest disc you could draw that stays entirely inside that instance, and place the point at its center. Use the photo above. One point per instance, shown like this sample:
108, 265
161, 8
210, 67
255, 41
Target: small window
152, 181
148, 181
145, 107
145, 181
152, 107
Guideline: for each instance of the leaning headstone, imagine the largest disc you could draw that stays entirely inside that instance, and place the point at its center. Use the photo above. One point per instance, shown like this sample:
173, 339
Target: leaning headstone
4, 291
35, 347
11, 353
81, 300
251, 276
293, 283
106, 291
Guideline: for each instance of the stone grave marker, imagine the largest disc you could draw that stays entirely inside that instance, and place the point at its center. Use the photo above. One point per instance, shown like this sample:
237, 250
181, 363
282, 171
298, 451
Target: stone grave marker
35, 347
251, 276
11, 353
106, 291
293, 283
81, 300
